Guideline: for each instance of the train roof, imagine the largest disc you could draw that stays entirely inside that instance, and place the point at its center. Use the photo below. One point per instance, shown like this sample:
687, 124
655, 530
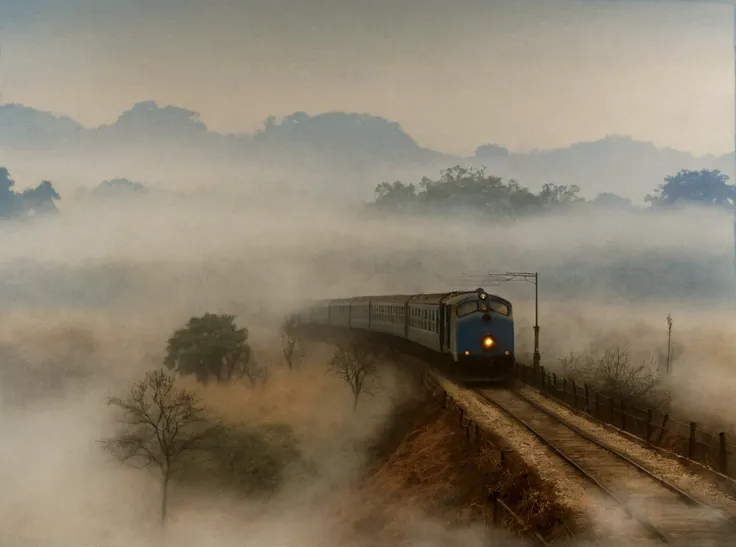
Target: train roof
419, 298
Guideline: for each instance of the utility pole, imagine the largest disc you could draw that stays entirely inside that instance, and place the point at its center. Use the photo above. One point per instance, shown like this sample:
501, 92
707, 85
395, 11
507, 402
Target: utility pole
733, 9
530, 277
669, 341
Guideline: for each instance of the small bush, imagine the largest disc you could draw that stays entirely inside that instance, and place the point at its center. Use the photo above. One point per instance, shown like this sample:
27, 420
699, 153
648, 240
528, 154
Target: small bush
251, 460
616, 375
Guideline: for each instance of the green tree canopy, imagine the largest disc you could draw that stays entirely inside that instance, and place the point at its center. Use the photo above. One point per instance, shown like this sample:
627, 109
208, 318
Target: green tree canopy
707, 187
468, 188
210, 345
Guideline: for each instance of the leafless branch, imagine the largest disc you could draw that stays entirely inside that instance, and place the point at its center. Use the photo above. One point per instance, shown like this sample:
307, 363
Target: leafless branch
355, 362
159, 423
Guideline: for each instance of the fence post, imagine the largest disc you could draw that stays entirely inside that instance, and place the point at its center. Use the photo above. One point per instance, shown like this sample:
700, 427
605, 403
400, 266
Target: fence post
691, 441
564, 390
587, 399
542, 378
554, 380
494, 506
574, 395
597, 405
649, 424
623, 415
662, 429
722, 453
613, 410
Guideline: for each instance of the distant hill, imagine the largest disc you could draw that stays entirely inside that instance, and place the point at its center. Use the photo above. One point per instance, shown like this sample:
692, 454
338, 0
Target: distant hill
352, 147
617, 164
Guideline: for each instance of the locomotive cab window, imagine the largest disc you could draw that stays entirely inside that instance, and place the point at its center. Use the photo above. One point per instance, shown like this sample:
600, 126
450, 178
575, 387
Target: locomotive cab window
498, 307
466, 308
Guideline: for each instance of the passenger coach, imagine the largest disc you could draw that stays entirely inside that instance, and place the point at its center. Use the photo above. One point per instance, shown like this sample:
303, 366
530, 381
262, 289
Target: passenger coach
473, 330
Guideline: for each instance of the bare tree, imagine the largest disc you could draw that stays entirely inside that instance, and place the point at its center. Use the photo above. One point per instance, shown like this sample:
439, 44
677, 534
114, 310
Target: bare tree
160, 424
289, 340
355, 362
617, 376
256, 371
625, 380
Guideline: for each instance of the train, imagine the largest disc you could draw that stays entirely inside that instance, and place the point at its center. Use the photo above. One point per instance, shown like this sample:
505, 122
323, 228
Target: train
468, 332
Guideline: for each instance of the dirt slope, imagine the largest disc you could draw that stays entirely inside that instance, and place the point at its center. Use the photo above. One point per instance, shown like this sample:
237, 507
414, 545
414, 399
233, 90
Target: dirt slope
429, 475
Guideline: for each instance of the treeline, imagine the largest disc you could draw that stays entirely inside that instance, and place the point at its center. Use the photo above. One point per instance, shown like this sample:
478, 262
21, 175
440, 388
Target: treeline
470, 189
42, 198
38, 200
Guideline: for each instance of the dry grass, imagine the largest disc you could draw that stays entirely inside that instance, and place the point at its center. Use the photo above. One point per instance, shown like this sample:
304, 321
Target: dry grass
298, 397
432, 472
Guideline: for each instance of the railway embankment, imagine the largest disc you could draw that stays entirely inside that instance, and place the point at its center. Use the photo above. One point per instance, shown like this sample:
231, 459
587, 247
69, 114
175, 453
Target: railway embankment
583, 510
434, 461
609, 486
704, 487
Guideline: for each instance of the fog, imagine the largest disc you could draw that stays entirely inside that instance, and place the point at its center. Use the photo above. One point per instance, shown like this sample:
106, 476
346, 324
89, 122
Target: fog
90, 296
543, 74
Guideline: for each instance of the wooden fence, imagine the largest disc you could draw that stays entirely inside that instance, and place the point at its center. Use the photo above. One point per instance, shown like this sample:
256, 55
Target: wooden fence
475, 435
657, 429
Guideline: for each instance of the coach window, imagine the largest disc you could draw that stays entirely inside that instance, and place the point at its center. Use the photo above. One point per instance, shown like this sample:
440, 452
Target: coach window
466, 308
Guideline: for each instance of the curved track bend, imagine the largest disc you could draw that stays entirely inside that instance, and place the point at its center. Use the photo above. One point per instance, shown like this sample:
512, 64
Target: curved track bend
664, 511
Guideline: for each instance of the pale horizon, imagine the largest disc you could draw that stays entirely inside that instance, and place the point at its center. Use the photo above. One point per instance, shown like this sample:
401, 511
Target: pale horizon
519, 74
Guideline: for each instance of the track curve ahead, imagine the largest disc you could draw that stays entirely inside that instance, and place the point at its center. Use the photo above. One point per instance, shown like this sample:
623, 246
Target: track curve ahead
663, 511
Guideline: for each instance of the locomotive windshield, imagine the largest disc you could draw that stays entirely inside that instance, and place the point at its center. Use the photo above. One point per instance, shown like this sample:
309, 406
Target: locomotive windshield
471, 306
467, 307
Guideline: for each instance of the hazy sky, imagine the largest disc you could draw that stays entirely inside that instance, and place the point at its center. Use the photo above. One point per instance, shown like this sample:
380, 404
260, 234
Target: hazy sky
454, 73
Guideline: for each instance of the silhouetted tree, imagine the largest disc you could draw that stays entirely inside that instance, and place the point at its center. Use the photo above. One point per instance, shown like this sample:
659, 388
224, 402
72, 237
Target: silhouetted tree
8, 197
117, 188
610, 200
471, 189
491, 152
396, 196
160, 424
553, 195
39, 200
355, 362
708, 187
210, 345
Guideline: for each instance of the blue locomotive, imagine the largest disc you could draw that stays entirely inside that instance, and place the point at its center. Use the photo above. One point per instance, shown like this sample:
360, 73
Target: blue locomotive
473, 331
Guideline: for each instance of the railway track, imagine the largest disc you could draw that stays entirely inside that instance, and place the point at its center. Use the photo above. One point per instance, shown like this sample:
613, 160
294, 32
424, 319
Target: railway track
663, 512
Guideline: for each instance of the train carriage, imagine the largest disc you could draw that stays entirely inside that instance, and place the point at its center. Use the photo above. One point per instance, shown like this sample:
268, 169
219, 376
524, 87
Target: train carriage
360, 312
472, 330
424, 321
340, 312
388, 314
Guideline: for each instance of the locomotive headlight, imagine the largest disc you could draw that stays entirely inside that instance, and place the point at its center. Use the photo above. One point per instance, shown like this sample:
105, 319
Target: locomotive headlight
488, 342
482, 296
